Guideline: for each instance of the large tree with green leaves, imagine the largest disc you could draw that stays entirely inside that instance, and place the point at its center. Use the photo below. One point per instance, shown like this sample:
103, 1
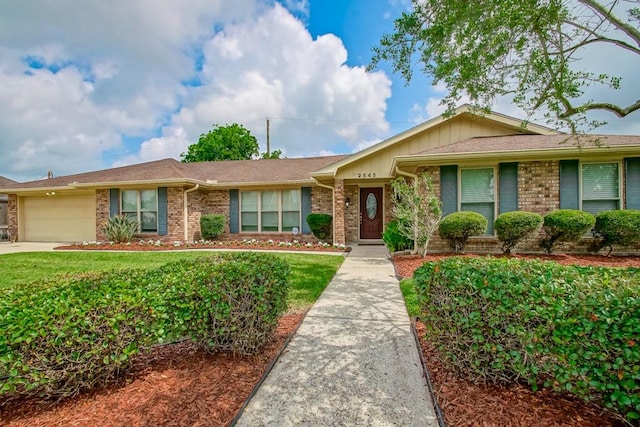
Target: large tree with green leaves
526, 49
230, 142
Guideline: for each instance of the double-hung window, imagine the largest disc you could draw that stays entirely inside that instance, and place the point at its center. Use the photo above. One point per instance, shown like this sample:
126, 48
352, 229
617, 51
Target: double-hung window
477, 193
141, 206
600, 187
270, 211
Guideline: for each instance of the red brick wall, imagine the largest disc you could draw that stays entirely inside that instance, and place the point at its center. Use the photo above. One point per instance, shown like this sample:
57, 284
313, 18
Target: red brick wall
102, 213
12, 215
321, 200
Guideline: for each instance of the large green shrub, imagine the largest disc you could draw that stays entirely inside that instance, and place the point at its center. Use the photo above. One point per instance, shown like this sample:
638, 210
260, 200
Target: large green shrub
320, 225
565, 225
572, 329
393, 239
212, 225
514, 227
120, 229
620, 228
457, 227
63, 336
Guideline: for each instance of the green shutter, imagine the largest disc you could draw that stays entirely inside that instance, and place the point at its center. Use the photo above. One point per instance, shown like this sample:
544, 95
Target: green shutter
114, 202
632, 184
508, 196
234, 212
449, 189
569, 194
162, 211
306, 209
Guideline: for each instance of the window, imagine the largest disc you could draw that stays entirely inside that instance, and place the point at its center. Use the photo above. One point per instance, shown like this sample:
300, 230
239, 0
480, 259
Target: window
141, 206
600, 187
477, 193
270, 211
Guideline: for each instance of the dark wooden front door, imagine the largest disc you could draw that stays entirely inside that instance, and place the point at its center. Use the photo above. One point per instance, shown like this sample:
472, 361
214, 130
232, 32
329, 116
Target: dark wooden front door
371, 213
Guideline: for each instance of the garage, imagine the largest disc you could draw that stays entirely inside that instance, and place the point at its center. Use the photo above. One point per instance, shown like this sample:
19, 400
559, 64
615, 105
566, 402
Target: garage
58, 218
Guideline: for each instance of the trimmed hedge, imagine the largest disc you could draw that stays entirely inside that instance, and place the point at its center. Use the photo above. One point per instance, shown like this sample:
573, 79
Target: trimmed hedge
619, 228
393, 239
320, 225
565, 225
457, 227
571, 329
212, 225
75, 333
514, 227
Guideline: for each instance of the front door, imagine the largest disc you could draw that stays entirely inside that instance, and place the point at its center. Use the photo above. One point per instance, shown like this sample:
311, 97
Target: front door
371, 213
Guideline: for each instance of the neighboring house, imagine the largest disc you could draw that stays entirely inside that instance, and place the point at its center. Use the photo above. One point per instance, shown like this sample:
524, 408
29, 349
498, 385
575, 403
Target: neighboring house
488, 164
4, 182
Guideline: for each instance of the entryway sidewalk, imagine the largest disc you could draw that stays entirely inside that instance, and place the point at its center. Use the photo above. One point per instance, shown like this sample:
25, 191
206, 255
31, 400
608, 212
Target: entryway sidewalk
15, 247
353, 361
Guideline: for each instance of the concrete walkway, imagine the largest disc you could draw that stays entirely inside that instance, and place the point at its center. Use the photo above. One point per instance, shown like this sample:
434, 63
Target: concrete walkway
12, 248
353, 361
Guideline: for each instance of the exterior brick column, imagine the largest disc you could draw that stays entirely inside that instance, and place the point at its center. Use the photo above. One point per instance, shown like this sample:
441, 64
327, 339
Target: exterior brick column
12, 216
102, 213
339, 236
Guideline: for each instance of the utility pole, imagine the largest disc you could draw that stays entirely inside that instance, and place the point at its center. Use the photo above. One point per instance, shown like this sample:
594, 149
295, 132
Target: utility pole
268, 140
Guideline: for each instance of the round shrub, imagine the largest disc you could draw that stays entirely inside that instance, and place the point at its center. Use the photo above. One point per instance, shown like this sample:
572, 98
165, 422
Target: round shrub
514, 227
616, 228
393, 239
212, 225
565, 225
459, 226
320, 225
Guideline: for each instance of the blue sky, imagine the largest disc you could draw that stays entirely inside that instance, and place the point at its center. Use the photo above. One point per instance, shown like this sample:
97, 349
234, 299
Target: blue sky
91, 85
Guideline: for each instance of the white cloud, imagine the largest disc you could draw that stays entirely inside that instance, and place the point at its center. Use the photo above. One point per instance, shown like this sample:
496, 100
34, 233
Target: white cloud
79, 80
271, 67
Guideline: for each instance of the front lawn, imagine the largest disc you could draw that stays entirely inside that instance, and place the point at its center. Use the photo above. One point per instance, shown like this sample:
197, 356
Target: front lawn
310, 273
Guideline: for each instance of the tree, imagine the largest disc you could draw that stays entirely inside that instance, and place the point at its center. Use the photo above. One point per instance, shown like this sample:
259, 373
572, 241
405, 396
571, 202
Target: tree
417, 210
275, 154
230, 142
527, 49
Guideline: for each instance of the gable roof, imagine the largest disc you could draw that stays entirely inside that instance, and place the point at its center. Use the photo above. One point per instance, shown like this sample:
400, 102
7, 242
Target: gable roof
172, 172
463, 110
5, 182
521, 147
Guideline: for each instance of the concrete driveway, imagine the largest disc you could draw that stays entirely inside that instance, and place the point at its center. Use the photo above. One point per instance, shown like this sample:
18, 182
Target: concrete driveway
11, 248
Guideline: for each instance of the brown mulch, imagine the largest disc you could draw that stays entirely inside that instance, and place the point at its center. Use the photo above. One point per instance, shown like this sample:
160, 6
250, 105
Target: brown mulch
466, 404
176, 385
406, 264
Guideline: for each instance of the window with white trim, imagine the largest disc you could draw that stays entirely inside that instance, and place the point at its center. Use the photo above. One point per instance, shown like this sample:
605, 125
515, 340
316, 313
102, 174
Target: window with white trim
477, 193
270, 211
141, 206
600, 187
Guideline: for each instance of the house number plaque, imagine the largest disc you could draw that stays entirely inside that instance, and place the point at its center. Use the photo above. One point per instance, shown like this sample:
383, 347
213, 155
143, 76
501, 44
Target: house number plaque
367, 175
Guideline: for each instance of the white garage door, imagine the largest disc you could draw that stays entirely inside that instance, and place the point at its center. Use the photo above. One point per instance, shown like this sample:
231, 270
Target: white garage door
59, 218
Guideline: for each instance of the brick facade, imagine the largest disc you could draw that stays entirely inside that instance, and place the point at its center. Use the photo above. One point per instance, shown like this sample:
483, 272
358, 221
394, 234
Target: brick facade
102, 213
12, 216
321, 200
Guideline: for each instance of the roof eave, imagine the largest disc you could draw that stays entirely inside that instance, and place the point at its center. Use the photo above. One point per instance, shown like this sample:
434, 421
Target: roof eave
513, 155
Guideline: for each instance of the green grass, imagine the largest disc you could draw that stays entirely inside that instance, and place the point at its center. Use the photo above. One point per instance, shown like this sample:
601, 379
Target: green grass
310, 273
410, 297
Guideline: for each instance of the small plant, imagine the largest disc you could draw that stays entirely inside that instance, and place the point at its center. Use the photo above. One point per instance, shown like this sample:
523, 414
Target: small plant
120, 229
320, 225
616, 228
417, 209
212, 225
393, 239
514, 227
459, 226
565, 225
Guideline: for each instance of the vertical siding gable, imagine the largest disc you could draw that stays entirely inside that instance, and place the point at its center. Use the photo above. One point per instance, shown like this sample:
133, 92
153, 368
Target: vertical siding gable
306, 209
569, 184
449, 189
162, 211
508, 194
234, 212
632, 183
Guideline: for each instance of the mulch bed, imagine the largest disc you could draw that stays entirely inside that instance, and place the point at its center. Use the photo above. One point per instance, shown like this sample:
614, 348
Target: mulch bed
177, 385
